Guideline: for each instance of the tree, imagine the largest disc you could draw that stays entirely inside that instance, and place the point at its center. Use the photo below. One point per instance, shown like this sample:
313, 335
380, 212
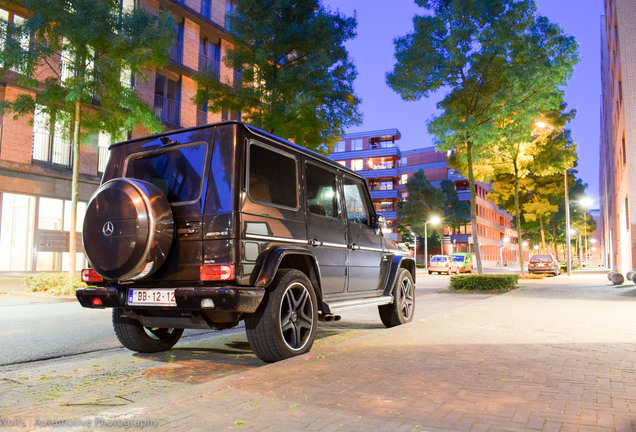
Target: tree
423, 202
477, 50
101, 47
455, 213
297, 78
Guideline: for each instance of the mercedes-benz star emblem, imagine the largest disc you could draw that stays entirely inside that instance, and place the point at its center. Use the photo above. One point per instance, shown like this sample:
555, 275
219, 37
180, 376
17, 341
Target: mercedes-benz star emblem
108, 229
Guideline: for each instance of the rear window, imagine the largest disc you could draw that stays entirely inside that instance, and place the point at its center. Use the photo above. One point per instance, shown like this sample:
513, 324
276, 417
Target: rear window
439, 259
541, 258
458, 258
176, 171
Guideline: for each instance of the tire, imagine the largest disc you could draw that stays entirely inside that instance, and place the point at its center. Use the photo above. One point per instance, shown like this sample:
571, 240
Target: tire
128, 229
285, 323
134, 336
403, 306
430, 272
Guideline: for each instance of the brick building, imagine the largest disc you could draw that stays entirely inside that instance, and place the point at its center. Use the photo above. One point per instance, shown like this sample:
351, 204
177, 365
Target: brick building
377, 156
618, 136
35, 166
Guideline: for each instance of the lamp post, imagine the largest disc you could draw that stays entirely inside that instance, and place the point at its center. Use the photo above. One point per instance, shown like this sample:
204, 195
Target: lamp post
434, 221
586, 203
502, 244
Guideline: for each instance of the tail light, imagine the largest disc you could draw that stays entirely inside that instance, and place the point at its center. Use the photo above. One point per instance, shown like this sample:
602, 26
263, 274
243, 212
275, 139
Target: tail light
89, 275
217, 272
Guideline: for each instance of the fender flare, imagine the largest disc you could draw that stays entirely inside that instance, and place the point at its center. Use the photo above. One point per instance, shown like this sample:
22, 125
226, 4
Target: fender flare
269, 262
398, 262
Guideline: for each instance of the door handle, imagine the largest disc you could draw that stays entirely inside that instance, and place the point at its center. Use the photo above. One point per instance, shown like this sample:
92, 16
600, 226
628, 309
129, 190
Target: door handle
315, 242
354, 246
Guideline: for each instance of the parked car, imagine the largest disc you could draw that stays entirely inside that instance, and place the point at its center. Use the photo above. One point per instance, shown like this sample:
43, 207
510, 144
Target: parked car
545, 263
464, 260
206, 226
442, 264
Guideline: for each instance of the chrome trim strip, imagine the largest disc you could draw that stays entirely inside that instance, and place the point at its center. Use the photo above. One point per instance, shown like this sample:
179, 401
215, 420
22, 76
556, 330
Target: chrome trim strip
334, 245
272, 238
362, 248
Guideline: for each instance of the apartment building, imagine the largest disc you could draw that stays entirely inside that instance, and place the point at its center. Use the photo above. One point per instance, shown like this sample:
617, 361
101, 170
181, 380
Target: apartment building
618, 135
35, 164
377, 156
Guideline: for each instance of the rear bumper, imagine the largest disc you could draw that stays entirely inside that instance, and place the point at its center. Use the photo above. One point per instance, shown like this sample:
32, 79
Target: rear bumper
543, 270
226, 299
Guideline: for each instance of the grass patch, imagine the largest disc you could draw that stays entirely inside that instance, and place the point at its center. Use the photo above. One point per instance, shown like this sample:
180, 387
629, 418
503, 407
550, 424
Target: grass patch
489, 282
53, 283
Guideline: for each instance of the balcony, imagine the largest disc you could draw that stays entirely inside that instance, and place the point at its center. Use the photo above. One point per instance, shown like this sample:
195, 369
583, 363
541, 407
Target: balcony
103, 153
384, 193
176, 52
369, 153
380, 173
51, 150
168, 110
389, 215
209, 66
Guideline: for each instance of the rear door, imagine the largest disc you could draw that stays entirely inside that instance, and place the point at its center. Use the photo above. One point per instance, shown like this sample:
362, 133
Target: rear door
364, 244
326, 231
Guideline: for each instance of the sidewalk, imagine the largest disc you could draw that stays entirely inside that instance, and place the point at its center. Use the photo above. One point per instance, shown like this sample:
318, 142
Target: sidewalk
557, 354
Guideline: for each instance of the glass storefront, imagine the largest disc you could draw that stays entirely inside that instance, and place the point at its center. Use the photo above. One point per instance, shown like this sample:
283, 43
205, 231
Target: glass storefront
34, 233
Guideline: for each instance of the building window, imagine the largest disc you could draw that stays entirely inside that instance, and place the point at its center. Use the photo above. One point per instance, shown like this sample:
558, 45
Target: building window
343, 163
51, 144
404, 161
13, 29
230, 115
339, 147
126, 78
209, 57
381, 163
206, 8
202, 114
230, 7
381, 185
17, 232
404, 179
624, 151
356, 164
620, 92
167, 99
176, 51
127, 5
356, 144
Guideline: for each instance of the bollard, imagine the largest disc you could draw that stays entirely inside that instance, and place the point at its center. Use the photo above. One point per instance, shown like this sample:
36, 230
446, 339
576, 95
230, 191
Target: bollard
617, 278
630, 275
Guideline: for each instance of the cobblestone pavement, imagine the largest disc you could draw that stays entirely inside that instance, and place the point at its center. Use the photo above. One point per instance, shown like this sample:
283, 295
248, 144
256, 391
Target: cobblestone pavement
557, 354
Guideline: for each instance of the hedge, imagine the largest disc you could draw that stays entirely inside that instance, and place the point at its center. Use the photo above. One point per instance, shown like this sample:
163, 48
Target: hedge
489, 282
53, 283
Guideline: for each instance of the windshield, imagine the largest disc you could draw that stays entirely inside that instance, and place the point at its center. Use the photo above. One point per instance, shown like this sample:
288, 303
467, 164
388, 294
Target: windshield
176, 171
439, 259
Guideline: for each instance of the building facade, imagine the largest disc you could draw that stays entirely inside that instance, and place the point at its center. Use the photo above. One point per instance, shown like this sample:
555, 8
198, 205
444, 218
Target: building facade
618, 136
35, 159
377, 156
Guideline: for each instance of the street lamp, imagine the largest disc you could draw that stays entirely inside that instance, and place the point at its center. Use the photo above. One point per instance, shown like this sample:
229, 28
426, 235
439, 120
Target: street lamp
433, 221
586, 203
573, 231
502, 243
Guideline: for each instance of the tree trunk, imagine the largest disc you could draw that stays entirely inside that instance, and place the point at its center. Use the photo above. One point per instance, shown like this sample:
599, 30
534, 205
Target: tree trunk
554, 239
473, 206
75, 188
544, 248
518, 217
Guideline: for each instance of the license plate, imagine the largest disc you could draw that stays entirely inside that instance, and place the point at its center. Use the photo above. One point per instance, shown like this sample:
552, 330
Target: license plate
151, 297
541, 265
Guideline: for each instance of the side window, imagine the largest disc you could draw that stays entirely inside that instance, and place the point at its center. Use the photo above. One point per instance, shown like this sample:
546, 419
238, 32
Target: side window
357, 210
322, 198
272, 177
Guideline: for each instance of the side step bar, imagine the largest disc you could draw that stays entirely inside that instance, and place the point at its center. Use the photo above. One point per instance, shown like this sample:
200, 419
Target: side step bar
359, 303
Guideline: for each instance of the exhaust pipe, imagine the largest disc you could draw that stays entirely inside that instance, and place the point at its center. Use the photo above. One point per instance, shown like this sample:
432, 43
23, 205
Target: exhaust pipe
329, 317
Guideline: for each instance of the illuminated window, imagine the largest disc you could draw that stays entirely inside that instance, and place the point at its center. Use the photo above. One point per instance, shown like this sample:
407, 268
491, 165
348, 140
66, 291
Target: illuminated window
356, 164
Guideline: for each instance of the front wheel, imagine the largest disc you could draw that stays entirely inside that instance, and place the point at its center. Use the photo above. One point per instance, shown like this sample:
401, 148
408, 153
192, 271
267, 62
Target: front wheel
134, 336
403, 306
285, 323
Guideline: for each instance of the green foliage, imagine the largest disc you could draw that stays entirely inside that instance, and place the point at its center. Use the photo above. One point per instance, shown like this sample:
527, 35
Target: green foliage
53, 283
489, 282
501, 64
424, 202
297, 78
455, 212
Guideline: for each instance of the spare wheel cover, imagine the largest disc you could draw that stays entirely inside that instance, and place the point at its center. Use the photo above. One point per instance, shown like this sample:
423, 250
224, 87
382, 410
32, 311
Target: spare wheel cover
128, 229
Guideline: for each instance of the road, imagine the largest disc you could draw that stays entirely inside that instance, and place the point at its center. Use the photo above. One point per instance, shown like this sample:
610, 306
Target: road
36, 328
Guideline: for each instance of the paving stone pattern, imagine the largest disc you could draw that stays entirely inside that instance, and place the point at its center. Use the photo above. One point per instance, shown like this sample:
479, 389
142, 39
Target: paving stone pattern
557, 354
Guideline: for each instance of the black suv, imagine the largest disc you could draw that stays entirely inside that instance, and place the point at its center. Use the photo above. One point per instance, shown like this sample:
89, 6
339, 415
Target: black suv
203, 227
